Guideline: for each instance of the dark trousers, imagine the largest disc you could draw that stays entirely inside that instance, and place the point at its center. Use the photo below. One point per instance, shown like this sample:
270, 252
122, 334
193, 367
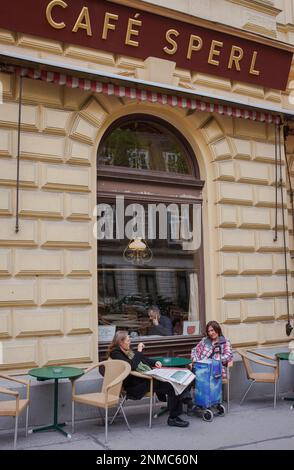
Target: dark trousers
174, 402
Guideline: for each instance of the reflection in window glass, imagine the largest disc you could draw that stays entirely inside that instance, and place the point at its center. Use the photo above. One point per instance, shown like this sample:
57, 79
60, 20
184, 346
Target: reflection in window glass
144, 145
139, 159
170, 281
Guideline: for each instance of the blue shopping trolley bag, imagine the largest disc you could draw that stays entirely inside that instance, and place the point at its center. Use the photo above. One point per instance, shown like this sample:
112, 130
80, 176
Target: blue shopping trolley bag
208, 387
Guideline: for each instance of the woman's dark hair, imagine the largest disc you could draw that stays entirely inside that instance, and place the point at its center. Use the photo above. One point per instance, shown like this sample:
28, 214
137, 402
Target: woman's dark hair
216, 326
117, 339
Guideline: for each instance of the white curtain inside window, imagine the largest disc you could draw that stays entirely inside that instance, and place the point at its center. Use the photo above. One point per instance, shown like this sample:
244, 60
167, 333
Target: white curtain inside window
194, 298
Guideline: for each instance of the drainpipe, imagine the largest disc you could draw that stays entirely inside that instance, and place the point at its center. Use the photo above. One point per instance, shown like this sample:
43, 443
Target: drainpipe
18, 154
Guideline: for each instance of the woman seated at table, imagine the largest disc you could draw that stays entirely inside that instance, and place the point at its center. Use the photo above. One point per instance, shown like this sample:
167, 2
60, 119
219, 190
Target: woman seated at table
213, 346
137, 387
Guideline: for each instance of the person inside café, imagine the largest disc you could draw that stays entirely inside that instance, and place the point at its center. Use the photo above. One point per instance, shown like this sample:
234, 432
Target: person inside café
213, 346
136, 387
161, 325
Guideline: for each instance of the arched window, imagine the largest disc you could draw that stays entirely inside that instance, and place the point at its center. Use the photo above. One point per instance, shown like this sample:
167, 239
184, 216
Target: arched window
142, 143
149, 166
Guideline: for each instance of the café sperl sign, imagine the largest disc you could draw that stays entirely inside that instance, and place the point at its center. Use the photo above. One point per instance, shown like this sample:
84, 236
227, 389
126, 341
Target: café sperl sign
111, 27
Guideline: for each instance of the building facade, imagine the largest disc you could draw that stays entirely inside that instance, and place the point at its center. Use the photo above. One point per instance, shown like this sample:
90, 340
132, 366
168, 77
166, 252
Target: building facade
83, 145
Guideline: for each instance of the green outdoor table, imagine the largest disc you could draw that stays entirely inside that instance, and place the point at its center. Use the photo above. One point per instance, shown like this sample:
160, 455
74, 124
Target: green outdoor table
284, 356
55, 373
173, 361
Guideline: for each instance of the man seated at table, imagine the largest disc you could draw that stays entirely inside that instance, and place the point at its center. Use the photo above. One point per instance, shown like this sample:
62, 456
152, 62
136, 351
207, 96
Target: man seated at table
161, 324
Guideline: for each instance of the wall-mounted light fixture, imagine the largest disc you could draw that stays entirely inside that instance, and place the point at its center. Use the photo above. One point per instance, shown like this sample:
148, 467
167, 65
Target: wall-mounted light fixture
137, 252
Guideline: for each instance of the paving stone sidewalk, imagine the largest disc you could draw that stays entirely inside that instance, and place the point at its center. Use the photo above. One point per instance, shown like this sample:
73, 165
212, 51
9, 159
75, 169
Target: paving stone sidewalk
255, 425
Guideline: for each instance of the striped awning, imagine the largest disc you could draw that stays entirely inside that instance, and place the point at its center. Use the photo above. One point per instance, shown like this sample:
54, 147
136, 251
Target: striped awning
111, 89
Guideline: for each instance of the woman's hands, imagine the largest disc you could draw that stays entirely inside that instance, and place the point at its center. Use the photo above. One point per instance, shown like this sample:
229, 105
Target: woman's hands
140, 347
158, 364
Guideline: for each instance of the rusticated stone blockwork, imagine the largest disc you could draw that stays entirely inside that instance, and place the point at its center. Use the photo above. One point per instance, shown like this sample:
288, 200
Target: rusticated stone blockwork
48, 304
48, 284
48, 271
251, 265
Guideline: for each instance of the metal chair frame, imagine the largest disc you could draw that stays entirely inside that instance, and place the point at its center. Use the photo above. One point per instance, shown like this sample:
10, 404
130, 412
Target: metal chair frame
124, 397
260, 377
109, 396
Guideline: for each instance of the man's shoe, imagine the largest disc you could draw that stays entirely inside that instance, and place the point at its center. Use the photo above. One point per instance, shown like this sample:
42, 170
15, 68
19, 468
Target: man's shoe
179, 422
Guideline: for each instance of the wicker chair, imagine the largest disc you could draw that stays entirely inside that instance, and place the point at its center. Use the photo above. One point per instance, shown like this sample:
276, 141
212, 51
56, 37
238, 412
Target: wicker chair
226, 382
115, 373
149, 394
250, 357
16, 406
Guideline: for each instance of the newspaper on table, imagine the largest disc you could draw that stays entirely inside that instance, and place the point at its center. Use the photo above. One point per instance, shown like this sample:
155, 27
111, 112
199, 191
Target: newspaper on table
178, 378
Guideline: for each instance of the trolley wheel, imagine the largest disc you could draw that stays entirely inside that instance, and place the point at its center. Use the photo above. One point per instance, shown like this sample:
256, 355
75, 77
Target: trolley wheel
207, 415
220, 410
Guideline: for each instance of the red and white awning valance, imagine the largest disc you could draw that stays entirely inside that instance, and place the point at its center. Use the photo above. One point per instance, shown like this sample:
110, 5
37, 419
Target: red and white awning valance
140, 94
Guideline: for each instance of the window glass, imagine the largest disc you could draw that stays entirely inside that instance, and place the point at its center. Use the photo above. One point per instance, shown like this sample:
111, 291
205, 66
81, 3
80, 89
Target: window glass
159, 264
169, 280
146, 146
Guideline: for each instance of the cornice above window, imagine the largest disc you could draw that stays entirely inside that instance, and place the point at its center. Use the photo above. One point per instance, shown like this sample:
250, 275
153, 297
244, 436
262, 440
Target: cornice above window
263, 6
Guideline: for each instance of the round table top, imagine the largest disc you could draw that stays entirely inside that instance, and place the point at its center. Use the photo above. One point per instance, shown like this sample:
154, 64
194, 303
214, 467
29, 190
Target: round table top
173, 361
284, 356
56, 372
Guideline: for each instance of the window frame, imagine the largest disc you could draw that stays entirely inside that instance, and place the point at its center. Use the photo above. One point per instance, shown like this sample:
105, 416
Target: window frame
191, 161
112, 174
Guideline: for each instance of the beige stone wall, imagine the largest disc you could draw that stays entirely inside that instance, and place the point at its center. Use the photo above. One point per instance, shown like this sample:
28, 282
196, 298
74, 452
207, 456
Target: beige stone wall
250, 265
48, 282
245, 274
271, 18
48, 304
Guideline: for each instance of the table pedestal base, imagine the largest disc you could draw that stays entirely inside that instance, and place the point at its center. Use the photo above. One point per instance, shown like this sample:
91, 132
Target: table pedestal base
55, 373
55, 427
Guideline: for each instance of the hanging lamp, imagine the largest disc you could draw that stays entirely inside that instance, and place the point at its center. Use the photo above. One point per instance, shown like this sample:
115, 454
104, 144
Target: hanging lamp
138, 252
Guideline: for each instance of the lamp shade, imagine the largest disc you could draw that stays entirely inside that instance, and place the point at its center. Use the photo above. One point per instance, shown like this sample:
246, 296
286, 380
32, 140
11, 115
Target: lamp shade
138, 252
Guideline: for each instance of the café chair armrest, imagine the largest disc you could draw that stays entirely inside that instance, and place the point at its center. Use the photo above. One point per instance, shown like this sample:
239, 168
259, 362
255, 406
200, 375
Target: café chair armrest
6, 391
265, 356
14, 379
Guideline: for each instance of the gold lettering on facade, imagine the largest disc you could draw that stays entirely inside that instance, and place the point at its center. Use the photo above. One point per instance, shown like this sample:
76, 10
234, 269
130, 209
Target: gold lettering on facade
236, 56
213, 51
50, 6
107, 25
233, 57
195, 44
132, 32
83, 22
172, 42
253, 62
